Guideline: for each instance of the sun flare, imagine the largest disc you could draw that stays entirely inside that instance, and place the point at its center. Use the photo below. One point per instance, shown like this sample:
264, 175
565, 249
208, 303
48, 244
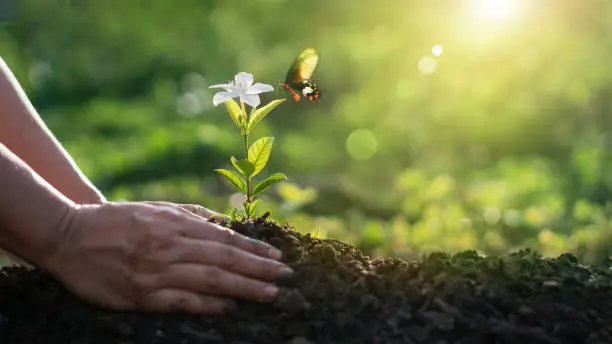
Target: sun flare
496, 10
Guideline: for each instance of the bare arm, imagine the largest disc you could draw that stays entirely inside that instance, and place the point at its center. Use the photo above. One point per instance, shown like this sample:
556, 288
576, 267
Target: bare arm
25, 134
31, 210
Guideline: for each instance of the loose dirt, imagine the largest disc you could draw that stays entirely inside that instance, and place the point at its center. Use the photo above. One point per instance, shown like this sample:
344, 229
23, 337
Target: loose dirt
339, 295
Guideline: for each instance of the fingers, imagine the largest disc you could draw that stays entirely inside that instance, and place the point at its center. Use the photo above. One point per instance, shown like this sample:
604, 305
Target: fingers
214, 280
212, 232
183, 208
174, 300
229, 258
158, 203
198, 210
203, 230
194, 209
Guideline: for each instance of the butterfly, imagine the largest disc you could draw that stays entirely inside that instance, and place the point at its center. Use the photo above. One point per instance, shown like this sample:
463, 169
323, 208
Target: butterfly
298, 80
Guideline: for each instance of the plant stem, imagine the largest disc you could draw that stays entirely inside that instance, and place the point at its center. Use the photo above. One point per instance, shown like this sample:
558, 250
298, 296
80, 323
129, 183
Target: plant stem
245, 139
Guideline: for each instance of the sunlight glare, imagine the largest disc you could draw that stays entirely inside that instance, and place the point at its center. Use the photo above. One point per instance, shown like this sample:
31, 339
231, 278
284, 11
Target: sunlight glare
496, 10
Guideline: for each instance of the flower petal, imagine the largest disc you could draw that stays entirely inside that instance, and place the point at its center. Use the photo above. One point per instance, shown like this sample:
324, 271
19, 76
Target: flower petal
251, 99
259, 88
228, 87
222, 97
244, 80
221, 86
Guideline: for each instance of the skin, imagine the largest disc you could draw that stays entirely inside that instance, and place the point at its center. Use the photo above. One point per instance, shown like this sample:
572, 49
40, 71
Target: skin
26, 135
155, 256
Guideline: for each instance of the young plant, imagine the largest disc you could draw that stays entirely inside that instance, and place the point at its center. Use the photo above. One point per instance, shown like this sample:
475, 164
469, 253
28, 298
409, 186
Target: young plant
256, 155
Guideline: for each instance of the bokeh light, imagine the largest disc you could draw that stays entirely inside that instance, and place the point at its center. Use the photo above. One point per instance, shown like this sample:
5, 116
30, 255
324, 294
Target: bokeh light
437, 50
427, 65
361, 144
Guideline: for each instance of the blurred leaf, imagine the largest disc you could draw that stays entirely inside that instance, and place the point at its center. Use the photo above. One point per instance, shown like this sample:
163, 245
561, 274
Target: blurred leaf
234, 214
250, 207
254, 206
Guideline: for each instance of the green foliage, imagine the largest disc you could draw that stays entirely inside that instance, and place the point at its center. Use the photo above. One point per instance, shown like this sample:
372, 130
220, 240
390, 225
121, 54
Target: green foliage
259, 114
244, 166
259, 153
235, 113
500, 142
269, 181
249, 208
234, 216
234, 178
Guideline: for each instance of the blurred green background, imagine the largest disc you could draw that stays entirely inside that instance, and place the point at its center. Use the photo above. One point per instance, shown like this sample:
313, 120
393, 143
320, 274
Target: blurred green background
443, 125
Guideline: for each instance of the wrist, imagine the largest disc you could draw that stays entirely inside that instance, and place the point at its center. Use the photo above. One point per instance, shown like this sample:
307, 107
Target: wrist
94, 196
39, 247
65, 236
33, 214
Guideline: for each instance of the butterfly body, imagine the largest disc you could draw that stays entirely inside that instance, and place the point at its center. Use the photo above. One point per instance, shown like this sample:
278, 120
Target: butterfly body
298, 80
306, 88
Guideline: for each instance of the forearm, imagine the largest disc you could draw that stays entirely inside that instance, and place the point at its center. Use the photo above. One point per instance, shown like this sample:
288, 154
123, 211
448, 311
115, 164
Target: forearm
32, 212
25, 134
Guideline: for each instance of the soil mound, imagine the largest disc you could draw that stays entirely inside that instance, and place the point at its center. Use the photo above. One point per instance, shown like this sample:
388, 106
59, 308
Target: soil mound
339, 295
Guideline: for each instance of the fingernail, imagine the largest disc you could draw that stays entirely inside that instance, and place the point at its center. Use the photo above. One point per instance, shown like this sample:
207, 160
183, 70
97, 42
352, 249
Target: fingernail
229, 306
285, 276
271, 291
275, 254
285, 272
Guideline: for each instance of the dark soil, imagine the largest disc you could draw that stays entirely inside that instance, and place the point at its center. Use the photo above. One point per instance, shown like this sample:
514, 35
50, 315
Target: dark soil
341, 296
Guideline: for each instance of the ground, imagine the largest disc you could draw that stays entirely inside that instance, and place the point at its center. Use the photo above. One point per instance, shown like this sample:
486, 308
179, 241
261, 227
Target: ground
341, 296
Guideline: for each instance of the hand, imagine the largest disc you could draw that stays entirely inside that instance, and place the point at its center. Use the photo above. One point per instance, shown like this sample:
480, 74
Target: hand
193, 208
159, 258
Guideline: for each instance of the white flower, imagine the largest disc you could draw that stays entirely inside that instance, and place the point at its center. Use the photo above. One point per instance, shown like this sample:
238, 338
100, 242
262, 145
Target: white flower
242, 87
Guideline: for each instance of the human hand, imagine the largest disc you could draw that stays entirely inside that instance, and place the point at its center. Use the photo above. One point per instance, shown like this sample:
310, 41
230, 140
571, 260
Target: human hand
159, 258
193, 208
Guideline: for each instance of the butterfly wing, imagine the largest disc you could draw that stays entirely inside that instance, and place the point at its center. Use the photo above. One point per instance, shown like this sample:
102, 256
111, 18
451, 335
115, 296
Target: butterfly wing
303, 67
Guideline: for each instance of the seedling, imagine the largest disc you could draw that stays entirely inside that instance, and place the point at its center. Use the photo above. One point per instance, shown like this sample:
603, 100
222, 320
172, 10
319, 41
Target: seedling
256, 155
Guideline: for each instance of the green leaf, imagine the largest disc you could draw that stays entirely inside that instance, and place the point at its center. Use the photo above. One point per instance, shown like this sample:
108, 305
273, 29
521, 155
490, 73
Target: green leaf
266, 183
219, 216
233, 178
245, 207
234, 214
235, 112
259, 114
259, 152
244, 166
251, 208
